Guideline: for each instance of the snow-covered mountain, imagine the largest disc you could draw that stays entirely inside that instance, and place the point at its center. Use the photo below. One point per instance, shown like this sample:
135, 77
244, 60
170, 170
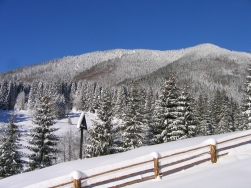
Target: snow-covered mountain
204, 68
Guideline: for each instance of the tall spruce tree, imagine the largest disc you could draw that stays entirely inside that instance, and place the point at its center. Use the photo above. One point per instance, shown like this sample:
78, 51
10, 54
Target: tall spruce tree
203, 118
184, 125
169, 97
189, 119
4, 91
132, 136
10, 158
12, 94
120, 103
100, 139
158, 122
247, 101
20, 102
148, 118
227, 122
36, 91
43, 141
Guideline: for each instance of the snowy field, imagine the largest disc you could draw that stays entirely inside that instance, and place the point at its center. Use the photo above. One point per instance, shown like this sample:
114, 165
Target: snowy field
232, 170
24, 120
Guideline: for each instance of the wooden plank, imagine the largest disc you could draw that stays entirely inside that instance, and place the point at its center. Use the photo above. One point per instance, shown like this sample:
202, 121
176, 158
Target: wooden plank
185, 166
234, 145
134, 181
117, 169
184, 151
221, 155
63, 184
182, 160
121, 177
233, 139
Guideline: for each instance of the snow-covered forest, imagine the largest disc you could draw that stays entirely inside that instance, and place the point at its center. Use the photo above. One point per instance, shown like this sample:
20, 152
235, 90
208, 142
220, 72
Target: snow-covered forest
154, 103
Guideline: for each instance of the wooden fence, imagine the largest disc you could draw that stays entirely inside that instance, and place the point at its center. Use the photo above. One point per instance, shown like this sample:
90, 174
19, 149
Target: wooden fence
156, 164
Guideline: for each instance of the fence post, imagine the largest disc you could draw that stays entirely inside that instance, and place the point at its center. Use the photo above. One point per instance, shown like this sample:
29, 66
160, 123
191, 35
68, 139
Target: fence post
77, 183
212, 142
156, 167
213, 153
156, 164
76, 175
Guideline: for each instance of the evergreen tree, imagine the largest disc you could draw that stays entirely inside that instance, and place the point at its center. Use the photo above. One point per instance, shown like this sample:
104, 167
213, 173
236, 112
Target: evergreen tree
20, 102
158, 122
169, 97
85, 103
36, 92
72, 93
114, 96
224, 122
184, 125
189, 119
120, 103
4, 95
59, 106
95, 101
12, 94
203, 118
199, 115
148, 119
43, 141
66, 92
247, 101
77, 95
100, 139
132, 136
10, 157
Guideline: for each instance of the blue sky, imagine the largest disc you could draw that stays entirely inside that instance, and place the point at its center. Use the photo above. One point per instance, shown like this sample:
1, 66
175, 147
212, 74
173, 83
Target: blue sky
34, 31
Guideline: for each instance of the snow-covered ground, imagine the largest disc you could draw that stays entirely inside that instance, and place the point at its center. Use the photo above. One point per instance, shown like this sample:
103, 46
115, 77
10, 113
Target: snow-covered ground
232, 170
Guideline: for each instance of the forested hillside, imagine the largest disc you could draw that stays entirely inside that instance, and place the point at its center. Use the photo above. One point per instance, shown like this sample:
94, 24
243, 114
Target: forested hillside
205, 68
140, 97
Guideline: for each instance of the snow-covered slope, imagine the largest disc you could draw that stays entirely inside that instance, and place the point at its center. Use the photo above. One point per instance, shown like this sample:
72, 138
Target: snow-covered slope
230, 171
233, 167
127, 63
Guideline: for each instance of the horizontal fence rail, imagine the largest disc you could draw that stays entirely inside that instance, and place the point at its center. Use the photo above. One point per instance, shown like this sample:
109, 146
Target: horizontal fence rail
157, 165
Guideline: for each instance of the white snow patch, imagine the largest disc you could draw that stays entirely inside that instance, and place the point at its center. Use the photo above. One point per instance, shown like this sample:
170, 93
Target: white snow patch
155, 155
210, 141
77, 175
158, 178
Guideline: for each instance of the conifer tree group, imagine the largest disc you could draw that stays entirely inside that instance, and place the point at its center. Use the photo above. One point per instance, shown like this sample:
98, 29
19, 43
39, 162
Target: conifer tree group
170, 115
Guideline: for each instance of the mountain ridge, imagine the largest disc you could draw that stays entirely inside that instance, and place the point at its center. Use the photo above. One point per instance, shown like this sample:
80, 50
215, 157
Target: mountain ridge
122, 66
